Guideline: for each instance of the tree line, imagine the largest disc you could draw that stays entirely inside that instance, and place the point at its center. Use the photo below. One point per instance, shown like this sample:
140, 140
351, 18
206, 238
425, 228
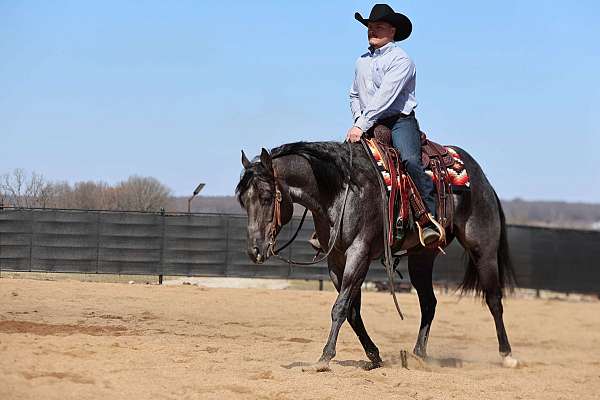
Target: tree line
137, 193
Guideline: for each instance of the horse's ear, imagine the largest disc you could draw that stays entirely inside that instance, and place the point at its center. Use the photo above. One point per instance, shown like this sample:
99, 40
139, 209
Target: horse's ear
265, 159
245, 162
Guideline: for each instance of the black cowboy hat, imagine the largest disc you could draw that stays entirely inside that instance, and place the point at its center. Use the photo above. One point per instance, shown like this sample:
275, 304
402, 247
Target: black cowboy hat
383, 12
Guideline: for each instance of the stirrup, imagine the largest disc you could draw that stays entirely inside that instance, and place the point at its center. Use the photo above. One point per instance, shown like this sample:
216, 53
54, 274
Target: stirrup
441, 231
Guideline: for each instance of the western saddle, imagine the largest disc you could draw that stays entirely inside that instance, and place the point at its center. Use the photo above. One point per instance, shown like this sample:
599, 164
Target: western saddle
406, 207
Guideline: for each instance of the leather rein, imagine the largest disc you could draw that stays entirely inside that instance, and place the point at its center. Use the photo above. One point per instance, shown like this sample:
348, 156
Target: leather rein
276, 223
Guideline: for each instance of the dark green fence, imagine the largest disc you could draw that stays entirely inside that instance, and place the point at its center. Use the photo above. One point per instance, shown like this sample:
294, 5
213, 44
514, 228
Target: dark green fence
215, 245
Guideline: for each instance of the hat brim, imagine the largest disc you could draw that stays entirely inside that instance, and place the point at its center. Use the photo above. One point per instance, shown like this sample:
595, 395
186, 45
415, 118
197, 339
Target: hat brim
399, 21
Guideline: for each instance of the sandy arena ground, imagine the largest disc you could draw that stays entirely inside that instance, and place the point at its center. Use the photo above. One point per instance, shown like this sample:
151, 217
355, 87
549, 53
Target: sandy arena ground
81, 340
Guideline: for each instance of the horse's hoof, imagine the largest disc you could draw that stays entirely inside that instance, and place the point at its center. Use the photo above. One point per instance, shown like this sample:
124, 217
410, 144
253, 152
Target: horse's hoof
422, 355
509, 361
322, 367
318, 367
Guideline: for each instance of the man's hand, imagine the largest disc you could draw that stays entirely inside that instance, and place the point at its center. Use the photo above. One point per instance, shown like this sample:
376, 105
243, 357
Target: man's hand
354, 134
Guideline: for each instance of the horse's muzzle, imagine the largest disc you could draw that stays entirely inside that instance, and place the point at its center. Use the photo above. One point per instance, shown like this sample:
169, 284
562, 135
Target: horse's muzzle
258, 254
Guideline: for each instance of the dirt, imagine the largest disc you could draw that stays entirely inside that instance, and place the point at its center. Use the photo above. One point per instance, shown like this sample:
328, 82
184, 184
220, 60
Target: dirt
82, 340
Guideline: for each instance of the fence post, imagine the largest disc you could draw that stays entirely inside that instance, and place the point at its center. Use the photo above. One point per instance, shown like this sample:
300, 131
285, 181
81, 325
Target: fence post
228, 218
161, 266
291, 232
31, 221
1, 209
98, 221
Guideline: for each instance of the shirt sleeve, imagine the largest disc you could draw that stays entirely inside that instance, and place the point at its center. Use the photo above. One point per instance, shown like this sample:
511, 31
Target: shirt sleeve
354, 100
394, 79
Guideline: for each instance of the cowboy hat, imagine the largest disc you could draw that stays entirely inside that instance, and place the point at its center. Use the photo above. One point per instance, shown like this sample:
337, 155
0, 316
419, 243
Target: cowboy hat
383, 12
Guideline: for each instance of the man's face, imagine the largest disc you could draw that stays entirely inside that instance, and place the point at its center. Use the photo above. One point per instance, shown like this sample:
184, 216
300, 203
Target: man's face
380, 33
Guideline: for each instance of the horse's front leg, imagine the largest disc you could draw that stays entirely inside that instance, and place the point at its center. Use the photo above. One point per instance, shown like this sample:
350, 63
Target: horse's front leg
355, 271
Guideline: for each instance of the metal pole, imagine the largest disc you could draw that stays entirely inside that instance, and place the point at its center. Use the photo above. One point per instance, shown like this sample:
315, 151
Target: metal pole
227, 227
291, 229
196, 191
162, 248
320, 285
1, 209
31, 239
98, 216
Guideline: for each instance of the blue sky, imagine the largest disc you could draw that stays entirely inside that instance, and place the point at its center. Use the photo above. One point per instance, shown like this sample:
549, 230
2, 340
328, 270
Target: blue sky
103, 90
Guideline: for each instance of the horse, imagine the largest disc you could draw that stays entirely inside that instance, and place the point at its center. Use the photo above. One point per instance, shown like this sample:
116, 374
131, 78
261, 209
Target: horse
337, 181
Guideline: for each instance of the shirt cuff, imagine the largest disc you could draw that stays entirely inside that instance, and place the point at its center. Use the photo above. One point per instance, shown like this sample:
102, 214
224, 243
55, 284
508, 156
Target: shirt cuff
363, 124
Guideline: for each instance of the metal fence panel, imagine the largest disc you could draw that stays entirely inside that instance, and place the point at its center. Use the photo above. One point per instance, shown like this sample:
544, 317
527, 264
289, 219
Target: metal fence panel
195, 245
561, 260
129, 243
64, 242
15, 240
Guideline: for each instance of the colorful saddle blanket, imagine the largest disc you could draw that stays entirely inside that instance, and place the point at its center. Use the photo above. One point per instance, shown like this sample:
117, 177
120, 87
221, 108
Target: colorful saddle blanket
456, 172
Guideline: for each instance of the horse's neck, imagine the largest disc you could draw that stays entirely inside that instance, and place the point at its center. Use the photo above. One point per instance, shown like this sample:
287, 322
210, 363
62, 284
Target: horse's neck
301, 184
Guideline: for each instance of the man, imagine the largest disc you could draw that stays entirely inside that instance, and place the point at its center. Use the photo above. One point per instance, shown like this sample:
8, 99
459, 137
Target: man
384, 90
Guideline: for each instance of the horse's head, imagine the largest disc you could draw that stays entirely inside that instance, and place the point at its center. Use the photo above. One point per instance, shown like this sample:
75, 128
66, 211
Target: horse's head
267, 203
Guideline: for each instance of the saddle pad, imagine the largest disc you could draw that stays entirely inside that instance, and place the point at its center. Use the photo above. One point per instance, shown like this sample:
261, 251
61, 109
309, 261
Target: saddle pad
456, 172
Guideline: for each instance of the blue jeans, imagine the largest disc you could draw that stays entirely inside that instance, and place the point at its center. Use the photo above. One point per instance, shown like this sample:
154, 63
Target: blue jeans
406, 137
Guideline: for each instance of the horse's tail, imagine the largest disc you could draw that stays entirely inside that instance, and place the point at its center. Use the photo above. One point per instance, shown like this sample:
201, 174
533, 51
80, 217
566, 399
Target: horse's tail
506, 272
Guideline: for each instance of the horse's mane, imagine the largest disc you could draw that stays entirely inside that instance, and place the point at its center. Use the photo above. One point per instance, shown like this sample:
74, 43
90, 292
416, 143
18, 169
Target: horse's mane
328, 160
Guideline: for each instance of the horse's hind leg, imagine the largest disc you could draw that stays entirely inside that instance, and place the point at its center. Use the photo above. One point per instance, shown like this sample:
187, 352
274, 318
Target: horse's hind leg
420, 266
484, 263
487, 269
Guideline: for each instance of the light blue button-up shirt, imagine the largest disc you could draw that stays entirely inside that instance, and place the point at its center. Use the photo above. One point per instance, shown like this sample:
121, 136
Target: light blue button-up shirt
384, 85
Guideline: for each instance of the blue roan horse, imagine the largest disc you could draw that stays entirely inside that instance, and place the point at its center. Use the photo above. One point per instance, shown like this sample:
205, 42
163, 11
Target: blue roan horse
315, 176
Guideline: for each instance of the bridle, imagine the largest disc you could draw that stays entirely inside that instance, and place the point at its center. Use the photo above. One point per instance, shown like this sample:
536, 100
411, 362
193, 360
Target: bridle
276, 223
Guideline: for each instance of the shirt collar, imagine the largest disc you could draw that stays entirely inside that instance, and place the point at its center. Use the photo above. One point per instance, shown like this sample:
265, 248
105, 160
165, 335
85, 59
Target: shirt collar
383, 49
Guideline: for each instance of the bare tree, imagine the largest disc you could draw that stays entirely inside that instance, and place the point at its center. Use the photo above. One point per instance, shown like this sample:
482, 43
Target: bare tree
91, 195
140, 193
60, 194
21, 190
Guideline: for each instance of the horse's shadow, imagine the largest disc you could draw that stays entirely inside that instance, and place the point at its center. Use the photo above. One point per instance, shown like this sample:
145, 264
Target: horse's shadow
416, 362
448, 362
358, 364
297, 364
392, 360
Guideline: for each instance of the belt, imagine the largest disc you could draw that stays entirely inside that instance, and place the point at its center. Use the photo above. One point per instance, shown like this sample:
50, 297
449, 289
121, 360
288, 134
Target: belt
395, 117
391, 120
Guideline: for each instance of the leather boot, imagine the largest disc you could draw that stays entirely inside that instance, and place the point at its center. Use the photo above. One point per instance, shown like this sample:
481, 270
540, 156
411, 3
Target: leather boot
314, 242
